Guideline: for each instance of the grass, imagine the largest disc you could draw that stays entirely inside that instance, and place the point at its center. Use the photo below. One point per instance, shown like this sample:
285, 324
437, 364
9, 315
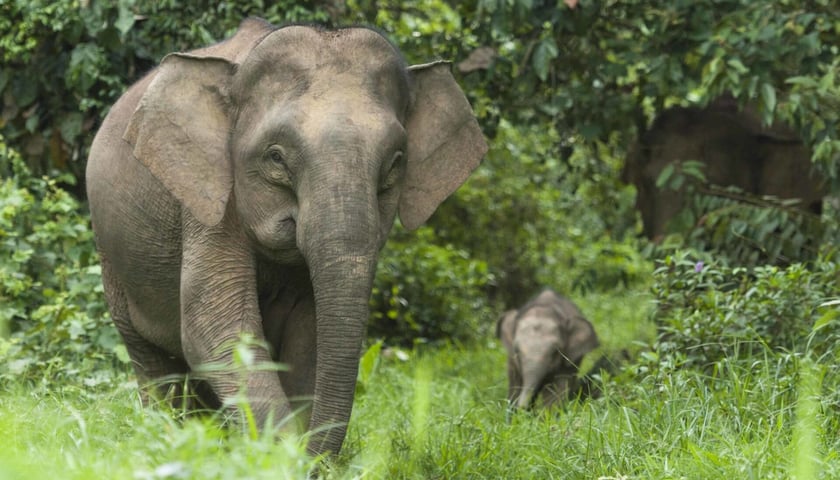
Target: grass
110, 435
441, 414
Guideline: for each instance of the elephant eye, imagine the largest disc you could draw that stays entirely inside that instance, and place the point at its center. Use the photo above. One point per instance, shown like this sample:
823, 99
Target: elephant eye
391, 171
275, 154
276, 168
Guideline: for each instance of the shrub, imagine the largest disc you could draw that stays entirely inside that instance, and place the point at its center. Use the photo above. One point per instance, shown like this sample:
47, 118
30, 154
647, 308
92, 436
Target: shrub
427, 291
542, 216
742, 227
708, 311
53, 319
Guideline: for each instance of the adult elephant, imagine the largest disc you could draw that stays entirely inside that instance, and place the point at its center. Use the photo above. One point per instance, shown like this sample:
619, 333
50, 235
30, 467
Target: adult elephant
735, 149
246, 188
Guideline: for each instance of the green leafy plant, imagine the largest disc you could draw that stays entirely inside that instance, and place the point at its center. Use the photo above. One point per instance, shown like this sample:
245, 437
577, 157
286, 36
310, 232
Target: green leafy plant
743, 228
708, 312
541, 215
427, 291
52, 309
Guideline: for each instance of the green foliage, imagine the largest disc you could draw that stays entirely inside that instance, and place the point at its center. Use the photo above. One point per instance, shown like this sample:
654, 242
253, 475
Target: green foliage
53, 320
708, 312
539, 219
427, 291
599, 72
751, 231
367, 365
424, 30
601, 68
743, 228
82, 435
813, 109
65, 62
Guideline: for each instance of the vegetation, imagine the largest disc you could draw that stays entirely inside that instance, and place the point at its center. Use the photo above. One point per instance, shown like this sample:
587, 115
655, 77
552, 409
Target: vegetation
440, 414
734, 363
53, 316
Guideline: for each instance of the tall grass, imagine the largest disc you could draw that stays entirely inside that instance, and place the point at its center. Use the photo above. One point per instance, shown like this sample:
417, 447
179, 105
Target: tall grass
110, 435
440, 413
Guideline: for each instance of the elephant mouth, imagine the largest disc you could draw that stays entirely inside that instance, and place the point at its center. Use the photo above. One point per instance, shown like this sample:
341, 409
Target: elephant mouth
288, 251
278, 242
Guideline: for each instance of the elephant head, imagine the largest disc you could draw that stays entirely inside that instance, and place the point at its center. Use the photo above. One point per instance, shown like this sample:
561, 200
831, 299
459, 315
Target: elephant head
290, 148
546, 340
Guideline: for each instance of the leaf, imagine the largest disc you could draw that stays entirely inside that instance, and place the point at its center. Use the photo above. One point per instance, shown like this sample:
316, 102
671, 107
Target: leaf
32, 123
664, 175
83, 69
368, 363
545, 52
122, 354
826, 82
738, 66
71, 126
82, 55
768, 98
694, 169
125, 20
802, 81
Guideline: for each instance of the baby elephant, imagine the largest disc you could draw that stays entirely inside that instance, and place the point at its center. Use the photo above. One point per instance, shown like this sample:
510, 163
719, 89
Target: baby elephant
545, 340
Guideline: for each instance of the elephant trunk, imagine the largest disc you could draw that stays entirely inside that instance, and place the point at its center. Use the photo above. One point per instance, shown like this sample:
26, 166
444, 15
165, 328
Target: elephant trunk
534, 373
339, 239
525, 398
342, 312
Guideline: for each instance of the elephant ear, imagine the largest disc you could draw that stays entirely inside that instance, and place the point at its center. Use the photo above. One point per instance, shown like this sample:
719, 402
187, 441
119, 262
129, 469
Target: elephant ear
445, 143
180, 130
581, 339
505, 328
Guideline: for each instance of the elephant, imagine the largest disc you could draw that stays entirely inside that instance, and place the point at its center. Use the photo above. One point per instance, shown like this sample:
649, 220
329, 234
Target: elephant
736, 150
244, 191
545, 340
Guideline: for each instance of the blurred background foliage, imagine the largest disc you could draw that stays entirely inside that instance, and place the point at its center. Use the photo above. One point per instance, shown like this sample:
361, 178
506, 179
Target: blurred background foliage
709, 311
53, 317
562, 90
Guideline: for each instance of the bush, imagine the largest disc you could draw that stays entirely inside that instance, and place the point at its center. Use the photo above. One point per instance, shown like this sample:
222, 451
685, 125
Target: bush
708, 311
540, 216
744, 228
53, 319
427, 291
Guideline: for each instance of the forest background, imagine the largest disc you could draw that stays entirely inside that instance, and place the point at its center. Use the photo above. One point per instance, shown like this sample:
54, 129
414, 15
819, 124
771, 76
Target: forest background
562, 90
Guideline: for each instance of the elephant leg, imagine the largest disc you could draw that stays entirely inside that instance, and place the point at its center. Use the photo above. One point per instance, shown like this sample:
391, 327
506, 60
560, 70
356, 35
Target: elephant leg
514, 381
159, 374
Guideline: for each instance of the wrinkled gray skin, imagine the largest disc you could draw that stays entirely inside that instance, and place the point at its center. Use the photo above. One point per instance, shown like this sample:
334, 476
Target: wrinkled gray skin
246, 188
545, 340
736, 149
